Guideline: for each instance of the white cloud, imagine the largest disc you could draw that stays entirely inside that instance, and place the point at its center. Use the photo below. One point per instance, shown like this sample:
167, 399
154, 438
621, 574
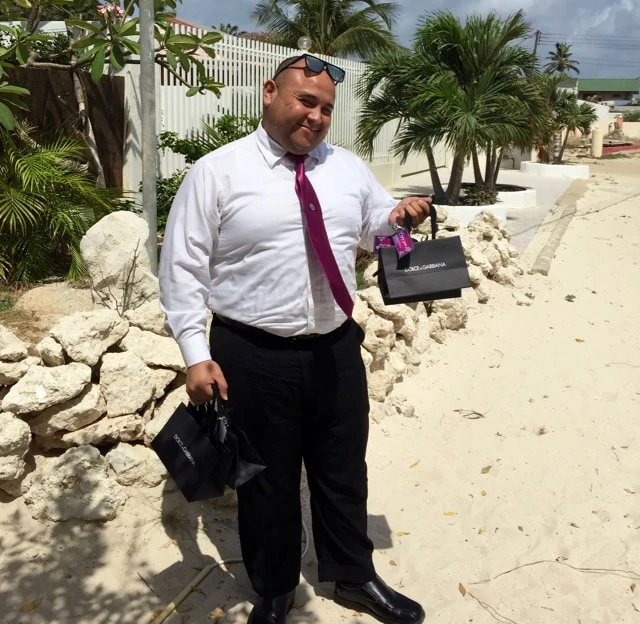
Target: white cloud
604, 36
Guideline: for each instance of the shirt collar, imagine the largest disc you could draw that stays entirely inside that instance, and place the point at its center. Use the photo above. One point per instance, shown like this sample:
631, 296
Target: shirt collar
273, 153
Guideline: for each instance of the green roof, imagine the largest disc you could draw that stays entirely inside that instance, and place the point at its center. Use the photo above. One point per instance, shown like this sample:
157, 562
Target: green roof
569, 83
612, 85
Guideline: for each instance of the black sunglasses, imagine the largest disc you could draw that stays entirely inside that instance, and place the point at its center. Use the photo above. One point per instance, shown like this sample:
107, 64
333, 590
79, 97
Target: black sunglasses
316, 66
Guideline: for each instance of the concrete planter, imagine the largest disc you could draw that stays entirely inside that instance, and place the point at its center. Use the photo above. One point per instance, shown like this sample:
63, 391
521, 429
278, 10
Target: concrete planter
574, 172
527, 198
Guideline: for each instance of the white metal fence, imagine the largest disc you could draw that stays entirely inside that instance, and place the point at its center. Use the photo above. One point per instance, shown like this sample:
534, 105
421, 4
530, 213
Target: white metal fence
243, 65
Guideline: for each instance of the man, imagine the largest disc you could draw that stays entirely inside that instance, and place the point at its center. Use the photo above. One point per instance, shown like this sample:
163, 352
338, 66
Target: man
243, 238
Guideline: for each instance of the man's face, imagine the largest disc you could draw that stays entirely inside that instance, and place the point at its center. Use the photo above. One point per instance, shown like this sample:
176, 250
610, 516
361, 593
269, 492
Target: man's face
298, 107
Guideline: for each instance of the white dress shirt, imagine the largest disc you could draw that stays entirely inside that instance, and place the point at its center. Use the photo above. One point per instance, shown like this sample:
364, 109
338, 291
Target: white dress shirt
235, 240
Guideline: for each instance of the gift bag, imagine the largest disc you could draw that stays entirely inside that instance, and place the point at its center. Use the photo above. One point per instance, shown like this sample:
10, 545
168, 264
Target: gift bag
433, 269
204, 452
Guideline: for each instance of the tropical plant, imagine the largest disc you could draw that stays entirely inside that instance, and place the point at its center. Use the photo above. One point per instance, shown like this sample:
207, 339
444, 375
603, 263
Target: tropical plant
336, 27
214, 134
229, 29
468, 86
561, 113
110, 38
574, 116
166, 189
561, 61
47, 203
78, 9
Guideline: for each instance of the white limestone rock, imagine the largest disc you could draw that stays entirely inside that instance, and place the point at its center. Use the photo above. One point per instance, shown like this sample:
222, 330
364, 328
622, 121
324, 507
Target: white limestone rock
438, 328
454, 312
163, 412
483, 291
72, 415
154, 350
148, 317
505, 276
43, 387
75, 486
477, 258
115, 253
12, 372
50, 351
398, 365
12, 349
15, 436
128, 428
127, 383
381, 380
136, 465
361, 311
380, 337
492, 255
475, 274
85, 336
162, 378
15, 439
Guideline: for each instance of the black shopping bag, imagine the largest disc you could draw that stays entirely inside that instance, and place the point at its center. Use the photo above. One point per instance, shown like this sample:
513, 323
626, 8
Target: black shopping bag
434, 269
204, 452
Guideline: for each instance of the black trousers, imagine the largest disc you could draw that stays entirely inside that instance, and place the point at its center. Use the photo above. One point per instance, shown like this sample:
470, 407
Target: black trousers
300, 400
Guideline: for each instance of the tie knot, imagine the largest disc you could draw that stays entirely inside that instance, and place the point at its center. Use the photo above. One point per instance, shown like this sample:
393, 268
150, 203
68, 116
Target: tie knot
298, 159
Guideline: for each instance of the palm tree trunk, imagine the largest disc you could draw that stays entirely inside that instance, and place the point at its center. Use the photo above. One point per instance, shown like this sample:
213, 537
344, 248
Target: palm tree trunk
494, 156
487, 165
564, 145
452, 195
496, 171
438, 189
477, 172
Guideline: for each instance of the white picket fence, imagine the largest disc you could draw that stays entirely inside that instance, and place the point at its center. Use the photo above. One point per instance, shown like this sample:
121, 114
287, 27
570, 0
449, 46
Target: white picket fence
243, 65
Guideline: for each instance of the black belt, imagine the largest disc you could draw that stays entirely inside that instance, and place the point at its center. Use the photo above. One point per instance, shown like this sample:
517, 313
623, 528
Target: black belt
250, 328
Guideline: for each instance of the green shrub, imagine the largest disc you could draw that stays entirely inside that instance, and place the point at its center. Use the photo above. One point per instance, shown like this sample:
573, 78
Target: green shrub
631, 116
47, 203
166, 189
214, 134
480, 197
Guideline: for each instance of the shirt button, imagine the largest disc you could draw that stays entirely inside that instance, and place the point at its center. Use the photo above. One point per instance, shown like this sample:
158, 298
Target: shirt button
312, 207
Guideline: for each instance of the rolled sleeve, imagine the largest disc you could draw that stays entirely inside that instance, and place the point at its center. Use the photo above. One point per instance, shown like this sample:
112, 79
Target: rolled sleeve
184, 276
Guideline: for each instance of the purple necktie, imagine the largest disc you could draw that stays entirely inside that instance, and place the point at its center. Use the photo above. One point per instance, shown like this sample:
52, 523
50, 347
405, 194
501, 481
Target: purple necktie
318, 236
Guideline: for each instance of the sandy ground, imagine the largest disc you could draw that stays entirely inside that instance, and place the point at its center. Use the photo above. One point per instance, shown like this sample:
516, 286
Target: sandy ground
515, 484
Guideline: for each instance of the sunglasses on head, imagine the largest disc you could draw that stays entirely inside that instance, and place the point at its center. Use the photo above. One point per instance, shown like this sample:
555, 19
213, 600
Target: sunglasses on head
316, 66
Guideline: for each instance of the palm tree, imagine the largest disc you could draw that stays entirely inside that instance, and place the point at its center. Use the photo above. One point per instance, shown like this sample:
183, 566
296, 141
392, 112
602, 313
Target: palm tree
229, 29
336, 27
560, 61
47, 203
465, 85
573, 116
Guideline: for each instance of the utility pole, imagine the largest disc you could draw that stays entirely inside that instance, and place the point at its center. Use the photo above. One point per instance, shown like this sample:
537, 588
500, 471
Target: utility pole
149, 147
537, 42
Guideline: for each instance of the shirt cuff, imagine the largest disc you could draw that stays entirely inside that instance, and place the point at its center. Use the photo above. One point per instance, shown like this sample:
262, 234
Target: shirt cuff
194, 349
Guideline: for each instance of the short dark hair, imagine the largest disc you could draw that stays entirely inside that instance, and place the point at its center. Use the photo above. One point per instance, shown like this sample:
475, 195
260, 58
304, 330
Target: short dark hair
286, 63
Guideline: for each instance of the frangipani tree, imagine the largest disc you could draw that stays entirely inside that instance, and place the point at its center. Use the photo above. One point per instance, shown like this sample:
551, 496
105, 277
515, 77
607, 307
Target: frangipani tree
110, 39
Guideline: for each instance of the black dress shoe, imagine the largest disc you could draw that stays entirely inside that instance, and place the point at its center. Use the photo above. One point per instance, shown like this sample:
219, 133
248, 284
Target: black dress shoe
272, 610
378, 599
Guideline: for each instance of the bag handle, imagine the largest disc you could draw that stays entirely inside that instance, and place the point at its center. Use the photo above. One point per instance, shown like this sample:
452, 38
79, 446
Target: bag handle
433, 215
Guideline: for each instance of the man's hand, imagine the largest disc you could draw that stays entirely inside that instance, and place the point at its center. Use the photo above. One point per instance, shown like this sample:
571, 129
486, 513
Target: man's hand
416, 207
200, 379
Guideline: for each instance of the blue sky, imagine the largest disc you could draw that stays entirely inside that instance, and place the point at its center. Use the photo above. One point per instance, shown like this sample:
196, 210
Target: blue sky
605, 35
